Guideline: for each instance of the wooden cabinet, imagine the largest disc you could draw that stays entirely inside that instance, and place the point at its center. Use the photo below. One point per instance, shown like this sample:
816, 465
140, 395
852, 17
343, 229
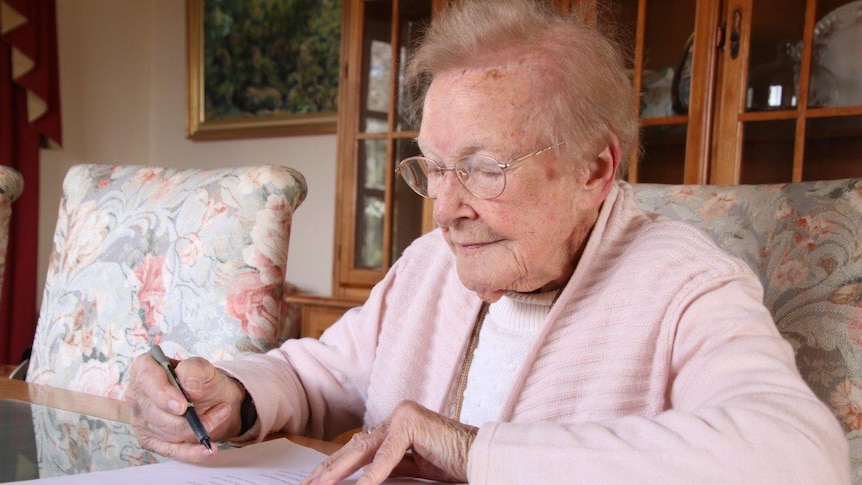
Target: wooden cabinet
378, 215
754, 98
789, 104
318, 313
731, 91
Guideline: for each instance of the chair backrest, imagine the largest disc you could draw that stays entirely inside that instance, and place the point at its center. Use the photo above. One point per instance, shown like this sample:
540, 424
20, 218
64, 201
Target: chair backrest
192, 260
11, 185
803, 240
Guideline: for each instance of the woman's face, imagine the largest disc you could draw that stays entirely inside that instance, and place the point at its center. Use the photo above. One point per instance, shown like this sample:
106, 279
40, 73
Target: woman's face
529, 237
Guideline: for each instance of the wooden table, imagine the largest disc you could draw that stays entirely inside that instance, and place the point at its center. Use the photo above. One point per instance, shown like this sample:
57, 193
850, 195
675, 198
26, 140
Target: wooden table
6, 369
103, 407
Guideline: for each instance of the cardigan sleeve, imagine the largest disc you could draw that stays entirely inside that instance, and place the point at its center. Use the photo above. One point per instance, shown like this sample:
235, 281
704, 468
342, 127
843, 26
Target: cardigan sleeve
366, 363
738, 412
314, 387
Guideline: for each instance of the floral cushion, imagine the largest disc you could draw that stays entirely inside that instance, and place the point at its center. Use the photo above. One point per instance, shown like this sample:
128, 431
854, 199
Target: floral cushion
192, 260
11, 185
803, 240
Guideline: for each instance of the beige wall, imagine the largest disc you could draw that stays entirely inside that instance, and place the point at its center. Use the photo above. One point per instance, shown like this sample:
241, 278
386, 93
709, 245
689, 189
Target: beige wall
122, 74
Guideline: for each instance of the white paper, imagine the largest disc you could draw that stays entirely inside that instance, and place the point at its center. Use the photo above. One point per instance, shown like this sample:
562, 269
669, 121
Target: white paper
274, 462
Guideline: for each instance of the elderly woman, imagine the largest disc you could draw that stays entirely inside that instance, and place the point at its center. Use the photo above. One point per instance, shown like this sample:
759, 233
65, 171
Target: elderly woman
549, 331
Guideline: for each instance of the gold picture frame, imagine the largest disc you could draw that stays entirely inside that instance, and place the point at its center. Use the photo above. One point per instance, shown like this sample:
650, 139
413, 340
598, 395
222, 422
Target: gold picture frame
218, 115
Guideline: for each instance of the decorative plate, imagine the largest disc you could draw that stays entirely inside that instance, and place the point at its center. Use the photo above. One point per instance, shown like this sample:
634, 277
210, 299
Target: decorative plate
681, 88
656, 93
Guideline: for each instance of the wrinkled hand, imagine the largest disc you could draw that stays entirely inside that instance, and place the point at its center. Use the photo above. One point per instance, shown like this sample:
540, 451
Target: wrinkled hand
439, 445
158, 407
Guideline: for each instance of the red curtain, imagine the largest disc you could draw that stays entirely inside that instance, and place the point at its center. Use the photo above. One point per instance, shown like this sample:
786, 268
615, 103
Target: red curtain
29, 117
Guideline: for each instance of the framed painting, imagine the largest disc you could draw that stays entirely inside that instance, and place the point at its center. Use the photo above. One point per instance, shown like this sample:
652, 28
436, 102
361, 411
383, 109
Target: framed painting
262, 67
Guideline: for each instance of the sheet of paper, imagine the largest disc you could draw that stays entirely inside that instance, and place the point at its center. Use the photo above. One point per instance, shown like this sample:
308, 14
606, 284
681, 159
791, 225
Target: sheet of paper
275, 462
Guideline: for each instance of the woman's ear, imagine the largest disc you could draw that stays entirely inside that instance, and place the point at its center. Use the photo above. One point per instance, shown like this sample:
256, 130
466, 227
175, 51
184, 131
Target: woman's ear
602, 169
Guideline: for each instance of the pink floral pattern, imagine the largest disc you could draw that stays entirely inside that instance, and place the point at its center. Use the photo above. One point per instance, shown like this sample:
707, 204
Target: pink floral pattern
803, 239
11, 185
252, 302
151, 292
192, 260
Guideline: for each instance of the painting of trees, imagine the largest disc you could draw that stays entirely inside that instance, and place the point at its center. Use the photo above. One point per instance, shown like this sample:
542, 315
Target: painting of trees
266, 58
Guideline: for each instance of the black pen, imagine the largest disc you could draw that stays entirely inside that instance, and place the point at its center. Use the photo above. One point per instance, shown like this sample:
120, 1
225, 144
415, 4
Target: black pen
191, 415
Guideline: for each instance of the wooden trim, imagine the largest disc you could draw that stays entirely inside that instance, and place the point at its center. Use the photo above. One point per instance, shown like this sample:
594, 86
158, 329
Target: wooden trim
391, 150
789, 114
725, 167
306, 299
348, 124
107, 408
802, 95
76, 402
637, 81
701, 98
428, 223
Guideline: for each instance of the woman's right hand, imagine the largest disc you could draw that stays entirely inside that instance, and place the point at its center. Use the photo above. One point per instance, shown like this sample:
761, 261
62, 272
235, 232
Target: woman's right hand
158, 408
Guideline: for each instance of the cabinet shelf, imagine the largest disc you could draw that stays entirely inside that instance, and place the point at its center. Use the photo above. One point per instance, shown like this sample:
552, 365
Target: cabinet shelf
665, 120
789, 114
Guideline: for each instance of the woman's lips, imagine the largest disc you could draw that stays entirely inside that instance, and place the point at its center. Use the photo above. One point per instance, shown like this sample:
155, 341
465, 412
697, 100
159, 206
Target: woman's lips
471, 246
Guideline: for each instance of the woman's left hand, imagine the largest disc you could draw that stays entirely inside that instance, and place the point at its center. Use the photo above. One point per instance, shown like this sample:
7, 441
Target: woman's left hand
413, 442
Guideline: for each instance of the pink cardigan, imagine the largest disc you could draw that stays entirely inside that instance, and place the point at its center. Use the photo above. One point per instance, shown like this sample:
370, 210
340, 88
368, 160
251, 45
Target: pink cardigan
657, 364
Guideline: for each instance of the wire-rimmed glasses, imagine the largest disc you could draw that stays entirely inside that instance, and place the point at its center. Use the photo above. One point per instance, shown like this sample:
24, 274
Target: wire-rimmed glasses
482, 176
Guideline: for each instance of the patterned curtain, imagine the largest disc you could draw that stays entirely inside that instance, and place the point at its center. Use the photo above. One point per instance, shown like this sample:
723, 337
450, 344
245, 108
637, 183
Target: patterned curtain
29, 119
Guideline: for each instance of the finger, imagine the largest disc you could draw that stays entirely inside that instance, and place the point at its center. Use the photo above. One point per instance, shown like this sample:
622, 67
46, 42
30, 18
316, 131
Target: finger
186, 452
158, 407
344, 462
200, 380
407, 467
217, 421
145, 374
417, 466
440, 446
153, 421
387, 457
146, 395
150, 385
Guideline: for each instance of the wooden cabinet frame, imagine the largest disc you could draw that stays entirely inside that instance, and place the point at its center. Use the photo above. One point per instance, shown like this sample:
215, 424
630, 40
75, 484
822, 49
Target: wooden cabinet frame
714, 123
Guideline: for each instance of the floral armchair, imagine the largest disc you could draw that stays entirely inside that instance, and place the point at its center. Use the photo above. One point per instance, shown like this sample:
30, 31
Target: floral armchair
11, 185
192, 260
803, 239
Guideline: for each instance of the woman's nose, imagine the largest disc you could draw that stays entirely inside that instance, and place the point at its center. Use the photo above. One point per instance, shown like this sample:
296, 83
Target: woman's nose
449, 203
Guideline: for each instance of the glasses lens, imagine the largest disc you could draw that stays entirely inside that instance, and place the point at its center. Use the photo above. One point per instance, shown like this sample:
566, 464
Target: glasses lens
481, 175
419, 172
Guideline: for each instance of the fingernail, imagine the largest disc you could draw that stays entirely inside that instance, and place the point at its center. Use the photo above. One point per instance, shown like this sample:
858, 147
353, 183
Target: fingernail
192, 384
175, 406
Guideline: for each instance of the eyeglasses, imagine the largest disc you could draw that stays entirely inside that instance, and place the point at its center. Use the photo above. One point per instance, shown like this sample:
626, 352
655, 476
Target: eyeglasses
482, 176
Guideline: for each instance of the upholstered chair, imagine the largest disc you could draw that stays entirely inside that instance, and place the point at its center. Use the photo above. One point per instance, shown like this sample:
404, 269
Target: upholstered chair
192, 260
803, 240
11, 185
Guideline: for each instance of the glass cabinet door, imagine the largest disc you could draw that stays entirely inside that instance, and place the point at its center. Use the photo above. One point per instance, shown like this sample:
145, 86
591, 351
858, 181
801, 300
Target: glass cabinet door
833, 130
378, 214
792, 110
730, 91
670, 64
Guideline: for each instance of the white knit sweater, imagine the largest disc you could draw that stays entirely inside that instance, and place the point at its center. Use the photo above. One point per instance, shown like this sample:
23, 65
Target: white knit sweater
506, 336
